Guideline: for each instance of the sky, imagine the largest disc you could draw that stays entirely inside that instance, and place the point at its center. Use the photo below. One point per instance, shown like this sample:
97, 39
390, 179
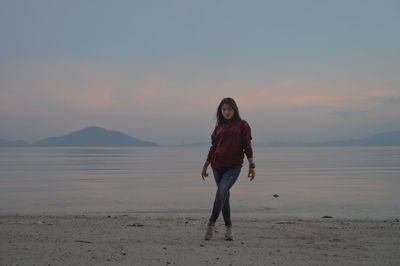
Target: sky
299, 70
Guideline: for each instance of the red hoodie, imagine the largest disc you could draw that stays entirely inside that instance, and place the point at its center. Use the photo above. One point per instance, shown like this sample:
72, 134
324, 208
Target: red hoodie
230, 141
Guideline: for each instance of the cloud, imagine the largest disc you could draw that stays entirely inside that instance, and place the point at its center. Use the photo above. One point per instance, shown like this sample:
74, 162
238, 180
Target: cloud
343, 114
155, 102
384, 96
75, 86
388, 99
394, 99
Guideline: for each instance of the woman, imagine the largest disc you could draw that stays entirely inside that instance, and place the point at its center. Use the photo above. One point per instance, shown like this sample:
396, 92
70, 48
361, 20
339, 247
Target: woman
231, 139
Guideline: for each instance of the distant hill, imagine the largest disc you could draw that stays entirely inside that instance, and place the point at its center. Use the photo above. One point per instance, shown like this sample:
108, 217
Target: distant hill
94, 136
382, 139
97, 136
15, 143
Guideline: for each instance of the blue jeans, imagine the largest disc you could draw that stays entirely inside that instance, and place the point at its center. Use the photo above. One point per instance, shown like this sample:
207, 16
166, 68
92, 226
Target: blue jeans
225, 180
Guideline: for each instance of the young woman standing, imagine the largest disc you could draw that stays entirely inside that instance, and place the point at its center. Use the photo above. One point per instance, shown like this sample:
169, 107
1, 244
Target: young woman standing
230, 140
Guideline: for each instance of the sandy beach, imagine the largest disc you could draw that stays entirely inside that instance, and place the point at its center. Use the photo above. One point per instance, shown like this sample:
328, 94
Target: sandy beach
130, 240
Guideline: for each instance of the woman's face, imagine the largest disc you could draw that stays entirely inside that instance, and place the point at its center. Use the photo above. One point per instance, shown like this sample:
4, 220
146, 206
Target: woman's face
227, 111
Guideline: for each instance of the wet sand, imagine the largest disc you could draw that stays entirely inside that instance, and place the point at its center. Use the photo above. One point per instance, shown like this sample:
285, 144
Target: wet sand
130, 240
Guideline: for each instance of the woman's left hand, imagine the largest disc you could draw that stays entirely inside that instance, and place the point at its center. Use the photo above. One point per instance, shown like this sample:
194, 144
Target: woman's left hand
252, 174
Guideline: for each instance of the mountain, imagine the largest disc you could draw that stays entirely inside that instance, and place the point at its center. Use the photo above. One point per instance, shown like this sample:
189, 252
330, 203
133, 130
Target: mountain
15, 143
382, 139
94, 136
97, 136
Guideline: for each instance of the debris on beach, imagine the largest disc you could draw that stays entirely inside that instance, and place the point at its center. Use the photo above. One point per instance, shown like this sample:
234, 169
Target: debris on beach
22, 222
136, 225
286, 222
275, 196
195, 222
327, 216
83, 241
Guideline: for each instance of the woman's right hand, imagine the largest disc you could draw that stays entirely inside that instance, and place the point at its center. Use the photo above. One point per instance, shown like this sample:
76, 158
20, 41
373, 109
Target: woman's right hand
204, 173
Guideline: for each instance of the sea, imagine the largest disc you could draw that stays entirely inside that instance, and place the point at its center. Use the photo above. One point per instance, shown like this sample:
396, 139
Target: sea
298, 182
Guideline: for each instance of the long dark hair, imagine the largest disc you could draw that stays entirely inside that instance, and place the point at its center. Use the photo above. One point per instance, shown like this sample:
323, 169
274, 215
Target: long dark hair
231, 102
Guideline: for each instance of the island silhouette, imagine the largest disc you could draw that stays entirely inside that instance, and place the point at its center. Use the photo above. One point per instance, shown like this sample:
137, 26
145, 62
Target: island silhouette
101, 137
89, 136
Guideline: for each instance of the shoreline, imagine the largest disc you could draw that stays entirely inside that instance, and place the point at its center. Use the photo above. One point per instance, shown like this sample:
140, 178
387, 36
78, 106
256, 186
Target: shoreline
137, 240
237, 213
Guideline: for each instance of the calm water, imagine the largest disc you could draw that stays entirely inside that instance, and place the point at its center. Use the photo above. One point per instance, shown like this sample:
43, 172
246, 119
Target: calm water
311, 182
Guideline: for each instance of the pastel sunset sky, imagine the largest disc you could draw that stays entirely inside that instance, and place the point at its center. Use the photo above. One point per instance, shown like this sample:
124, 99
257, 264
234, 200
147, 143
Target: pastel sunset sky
156, 70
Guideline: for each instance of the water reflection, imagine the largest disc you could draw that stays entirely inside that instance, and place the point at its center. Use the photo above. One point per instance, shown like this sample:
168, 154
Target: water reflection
347, 181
